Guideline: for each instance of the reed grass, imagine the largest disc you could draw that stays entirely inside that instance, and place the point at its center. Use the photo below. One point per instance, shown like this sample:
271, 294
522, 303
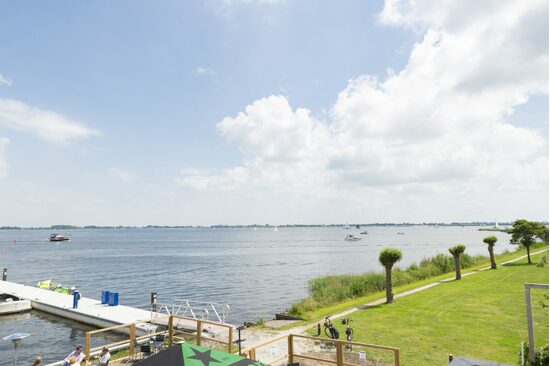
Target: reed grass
330, 290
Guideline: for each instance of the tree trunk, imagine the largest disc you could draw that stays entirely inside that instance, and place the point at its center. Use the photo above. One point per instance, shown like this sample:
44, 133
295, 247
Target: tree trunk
492, 256
457, 266
389, 292
528, 255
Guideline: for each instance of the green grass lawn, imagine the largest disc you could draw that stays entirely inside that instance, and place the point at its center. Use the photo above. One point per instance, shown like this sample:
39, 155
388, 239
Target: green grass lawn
481, 316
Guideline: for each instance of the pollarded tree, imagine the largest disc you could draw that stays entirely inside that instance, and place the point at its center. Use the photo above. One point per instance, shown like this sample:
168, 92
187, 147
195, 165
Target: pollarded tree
490, 241
456, 251
388, 257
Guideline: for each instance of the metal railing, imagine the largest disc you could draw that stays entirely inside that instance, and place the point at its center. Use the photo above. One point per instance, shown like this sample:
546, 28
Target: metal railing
203, 310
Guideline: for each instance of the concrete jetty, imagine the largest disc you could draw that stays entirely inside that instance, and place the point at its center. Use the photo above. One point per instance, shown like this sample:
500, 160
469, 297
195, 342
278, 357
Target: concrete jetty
89, 311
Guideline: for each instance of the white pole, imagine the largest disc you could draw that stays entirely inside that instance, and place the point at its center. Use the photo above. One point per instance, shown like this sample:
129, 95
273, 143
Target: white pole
522, 353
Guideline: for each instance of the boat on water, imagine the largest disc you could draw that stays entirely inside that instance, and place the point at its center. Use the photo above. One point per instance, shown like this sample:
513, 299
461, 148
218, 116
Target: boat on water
60, 237
400, 233
57, 287
353, 238
364, 232
10, 304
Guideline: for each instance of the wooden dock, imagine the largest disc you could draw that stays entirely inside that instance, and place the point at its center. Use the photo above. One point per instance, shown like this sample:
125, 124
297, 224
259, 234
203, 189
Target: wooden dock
89, 311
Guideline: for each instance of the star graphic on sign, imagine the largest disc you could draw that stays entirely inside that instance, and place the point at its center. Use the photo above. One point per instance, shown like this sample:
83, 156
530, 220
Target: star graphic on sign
244, 362
204, 357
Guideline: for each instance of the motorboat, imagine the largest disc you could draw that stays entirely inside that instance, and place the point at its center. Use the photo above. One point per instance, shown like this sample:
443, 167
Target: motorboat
60, 237
353, 238
364, 232
400, 233
10, 304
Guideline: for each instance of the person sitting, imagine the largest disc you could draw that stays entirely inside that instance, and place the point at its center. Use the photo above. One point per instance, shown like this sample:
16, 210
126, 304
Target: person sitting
77, 355
104, 357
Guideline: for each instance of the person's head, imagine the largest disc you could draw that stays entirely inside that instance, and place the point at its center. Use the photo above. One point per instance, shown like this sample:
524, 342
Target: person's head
105, 350
78, 349
72, 360
37, 361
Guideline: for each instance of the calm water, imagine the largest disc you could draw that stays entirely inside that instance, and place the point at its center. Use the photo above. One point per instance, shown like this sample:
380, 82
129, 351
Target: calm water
257, 272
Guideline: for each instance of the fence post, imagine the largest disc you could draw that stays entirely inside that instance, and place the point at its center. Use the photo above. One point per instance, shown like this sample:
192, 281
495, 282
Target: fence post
397, 357
199, 332
339, 354
170, 330
290, 348
88, 346
132, 338
253, 354
230, 341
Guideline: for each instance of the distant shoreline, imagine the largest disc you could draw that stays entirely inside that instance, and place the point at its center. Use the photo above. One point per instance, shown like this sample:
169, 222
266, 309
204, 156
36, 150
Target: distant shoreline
487, 226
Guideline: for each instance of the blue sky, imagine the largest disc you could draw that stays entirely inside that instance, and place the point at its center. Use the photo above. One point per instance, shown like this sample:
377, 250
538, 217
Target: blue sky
149, 84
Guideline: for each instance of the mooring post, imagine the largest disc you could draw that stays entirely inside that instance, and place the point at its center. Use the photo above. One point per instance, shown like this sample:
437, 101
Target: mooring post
5, 274
153, 301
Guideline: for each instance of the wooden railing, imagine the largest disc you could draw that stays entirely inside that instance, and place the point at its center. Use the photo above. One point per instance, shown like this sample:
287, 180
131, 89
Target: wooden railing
169, 324
193, 332
339, 345
292, 354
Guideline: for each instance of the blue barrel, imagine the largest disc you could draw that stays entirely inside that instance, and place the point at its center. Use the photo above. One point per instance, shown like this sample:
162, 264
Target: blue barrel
76, 296
113, 298
105, 297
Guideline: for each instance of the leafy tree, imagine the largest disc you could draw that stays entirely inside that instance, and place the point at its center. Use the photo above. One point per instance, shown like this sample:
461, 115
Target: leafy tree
388, 257
456, 251
525, 232
490, 241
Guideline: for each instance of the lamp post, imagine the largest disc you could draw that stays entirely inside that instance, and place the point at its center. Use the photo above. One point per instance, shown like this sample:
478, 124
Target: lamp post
239, 331
16, 340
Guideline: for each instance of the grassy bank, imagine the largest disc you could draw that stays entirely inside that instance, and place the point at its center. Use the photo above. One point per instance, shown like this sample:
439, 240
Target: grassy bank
332, 290
481, 316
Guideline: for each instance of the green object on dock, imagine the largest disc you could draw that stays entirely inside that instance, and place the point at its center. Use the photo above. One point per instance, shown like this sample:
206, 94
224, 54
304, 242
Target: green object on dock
52, 286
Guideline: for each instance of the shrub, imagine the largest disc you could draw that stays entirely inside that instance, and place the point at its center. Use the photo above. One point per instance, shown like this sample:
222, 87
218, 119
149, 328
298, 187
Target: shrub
541, 356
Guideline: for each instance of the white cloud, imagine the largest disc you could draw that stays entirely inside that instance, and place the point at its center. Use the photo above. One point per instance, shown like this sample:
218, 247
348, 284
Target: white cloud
4, 81
199, 71
436, 126
47, 125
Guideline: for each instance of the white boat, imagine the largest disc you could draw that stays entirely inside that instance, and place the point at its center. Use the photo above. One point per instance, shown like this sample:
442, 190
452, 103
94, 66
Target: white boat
10, 304
353, 238
60, 237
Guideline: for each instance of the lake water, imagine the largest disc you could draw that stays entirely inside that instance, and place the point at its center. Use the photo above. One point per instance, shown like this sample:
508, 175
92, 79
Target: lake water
257, 272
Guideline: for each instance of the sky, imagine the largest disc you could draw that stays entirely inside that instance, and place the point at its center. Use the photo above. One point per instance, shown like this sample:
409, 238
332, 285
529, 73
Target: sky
272, 111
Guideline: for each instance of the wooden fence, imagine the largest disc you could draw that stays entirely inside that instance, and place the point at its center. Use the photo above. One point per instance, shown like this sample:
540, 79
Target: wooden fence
174, 328
292, 354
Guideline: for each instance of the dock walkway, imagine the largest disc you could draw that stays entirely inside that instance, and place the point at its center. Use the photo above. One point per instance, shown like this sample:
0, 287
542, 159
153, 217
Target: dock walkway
89, 311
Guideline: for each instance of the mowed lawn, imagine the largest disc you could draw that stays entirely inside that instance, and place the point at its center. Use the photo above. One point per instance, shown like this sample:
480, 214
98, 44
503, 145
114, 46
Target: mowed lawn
481, 316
